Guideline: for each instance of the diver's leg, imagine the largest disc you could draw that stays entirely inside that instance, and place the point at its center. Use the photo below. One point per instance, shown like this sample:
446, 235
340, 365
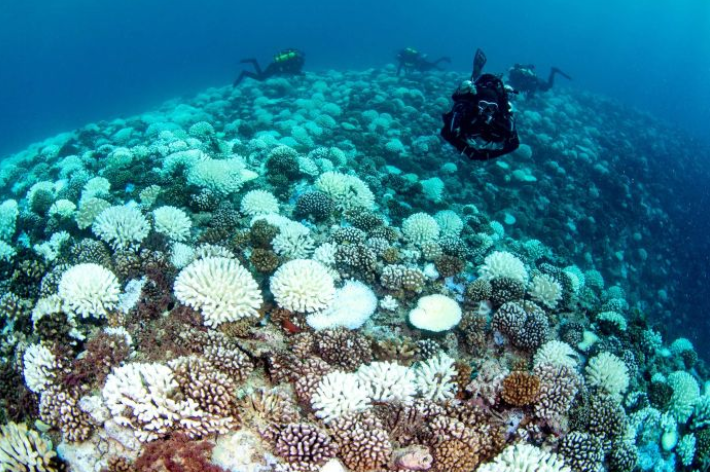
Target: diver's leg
245, 74
443, 59
551, 78
254, 62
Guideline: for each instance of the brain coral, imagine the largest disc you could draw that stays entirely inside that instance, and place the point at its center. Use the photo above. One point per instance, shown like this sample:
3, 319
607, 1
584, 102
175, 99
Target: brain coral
89, 290
303, 285
435, 313
220, 288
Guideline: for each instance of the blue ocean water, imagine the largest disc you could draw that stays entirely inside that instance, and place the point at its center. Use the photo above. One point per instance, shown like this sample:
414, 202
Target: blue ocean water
64, 64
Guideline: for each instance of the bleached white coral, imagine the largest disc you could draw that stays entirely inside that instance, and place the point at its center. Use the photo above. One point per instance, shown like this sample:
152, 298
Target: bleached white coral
7, 252
576, 276
346, 191
420, 228
50, 249
222, 176
181, 255
686, 392
303, 285
435, 313
9, 212
89, 209
435, 378
40, 368
681, 344
388, 382
220, 288
524, 457
608, 373
96, 187
613, 317
24, 450
546, 290
433, 189
62, 208
89, 290
503, 264
449, 223
121, 226
556, 353
353, 304
172, 222
339, 393
131, 295
325, 254
258, 202
293, 241
46, 306
389, 303
142, 397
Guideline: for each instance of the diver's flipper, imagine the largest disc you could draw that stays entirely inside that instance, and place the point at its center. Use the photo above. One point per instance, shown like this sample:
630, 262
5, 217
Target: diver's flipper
479, 61
555, 70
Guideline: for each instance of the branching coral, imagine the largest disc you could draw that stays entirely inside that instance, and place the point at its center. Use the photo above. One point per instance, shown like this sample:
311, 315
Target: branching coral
221, 288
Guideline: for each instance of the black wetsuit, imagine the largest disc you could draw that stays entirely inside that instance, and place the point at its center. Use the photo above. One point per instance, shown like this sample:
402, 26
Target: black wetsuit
410, 60
524, 79
288, 62
481, 125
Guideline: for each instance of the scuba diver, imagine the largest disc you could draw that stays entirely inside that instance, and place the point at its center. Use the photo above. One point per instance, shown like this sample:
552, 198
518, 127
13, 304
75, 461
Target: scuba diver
524, 79
287, 62
481, 124
410, 60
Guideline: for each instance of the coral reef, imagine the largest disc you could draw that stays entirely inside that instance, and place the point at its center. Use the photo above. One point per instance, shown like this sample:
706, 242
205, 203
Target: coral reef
296, 275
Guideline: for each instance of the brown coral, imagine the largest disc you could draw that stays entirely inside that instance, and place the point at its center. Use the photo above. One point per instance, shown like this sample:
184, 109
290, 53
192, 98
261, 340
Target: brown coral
178, 454
59, 408
520, 388
363, 444
264, 260
343, 348
302, 443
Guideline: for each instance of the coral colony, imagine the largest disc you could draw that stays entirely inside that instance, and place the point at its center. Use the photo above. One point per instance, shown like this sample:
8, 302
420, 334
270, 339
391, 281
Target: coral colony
297, 275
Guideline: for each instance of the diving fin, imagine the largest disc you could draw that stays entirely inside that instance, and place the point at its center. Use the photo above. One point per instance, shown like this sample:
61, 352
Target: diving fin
555, 70
479, 61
